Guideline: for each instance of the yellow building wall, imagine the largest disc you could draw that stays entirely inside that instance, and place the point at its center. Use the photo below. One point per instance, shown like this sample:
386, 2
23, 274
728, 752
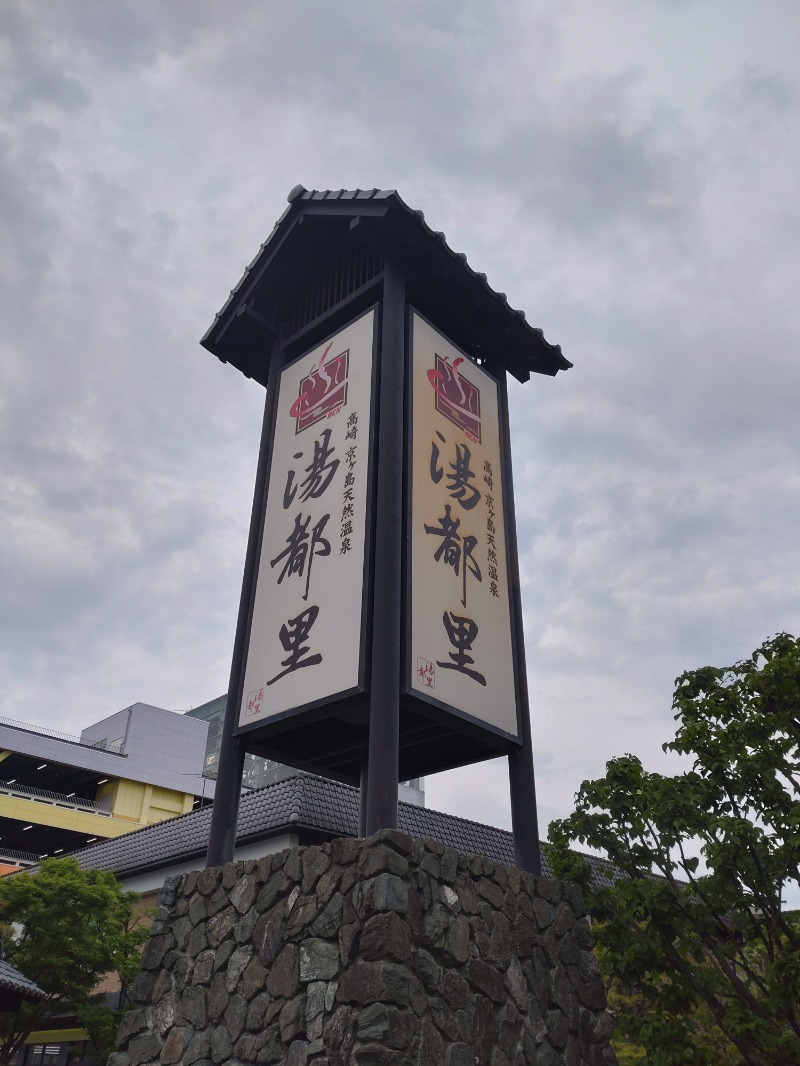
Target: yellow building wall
39, 813
144, 804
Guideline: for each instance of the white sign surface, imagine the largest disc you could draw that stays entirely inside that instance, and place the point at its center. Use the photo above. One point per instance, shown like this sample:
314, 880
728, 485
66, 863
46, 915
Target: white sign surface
461, 639
305, 637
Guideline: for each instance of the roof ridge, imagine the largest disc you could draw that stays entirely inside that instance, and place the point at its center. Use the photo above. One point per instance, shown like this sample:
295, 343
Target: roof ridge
297, 798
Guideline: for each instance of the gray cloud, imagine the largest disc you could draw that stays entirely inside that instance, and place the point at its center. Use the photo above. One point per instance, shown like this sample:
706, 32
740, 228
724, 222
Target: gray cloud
652, 231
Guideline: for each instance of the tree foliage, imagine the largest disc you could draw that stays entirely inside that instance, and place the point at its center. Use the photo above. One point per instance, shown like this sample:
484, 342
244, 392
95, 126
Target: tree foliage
70, 927
702, 961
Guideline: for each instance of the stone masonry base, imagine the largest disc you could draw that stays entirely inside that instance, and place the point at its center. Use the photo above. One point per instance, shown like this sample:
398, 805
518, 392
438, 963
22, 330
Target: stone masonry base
387, 951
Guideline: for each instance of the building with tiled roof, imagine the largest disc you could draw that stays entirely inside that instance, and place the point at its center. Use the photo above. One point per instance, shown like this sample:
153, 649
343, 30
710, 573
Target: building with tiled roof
16, 987
298, 810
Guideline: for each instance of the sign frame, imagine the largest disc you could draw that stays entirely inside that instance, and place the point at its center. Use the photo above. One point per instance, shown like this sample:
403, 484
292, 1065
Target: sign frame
314, 710
497, 740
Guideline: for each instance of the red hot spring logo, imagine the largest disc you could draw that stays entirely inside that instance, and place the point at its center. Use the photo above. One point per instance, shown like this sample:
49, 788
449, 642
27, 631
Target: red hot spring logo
456, 398
323, 392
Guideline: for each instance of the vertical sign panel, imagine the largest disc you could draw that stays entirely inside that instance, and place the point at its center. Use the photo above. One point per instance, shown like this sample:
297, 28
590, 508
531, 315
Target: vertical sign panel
461, 651
305, 643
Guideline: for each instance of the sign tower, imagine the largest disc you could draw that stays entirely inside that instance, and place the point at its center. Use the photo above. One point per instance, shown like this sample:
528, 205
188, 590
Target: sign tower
379, 635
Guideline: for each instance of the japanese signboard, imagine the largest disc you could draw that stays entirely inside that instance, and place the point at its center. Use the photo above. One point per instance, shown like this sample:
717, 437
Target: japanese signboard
306, 633
461, 650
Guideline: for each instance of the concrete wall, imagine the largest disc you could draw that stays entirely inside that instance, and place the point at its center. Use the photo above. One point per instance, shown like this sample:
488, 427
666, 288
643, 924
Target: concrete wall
384, 951
160, 747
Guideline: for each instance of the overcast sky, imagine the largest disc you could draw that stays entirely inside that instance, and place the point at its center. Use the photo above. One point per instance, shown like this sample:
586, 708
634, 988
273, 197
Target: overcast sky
626, 171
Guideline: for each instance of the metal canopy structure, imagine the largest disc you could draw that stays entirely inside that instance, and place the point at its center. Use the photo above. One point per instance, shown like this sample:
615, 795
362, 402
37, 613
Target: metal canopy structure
363, 271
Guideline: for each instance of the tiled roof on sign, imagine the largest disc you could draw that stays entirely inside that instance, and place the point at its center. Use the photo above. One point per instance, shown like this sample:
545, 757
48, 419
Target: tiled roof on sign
402, 231
312, 807
299, 193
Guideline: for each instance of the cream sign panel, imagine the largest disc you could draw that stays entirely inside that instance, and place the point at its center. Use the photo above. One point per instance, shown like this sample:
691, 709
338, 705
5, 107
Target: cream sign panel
305, 637
461, 647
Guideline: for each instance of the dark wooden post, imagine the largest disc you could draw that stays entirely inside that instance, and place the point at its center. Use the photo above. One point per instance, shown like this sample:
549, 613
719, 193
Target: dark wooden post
524, 819
225, 812
383, 755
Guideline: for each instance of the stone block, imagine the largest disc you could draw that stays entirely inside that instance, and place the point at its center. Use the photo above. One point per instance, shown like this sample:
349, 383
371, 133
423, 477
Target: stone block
565, 918
459, 1055
386, 936
395, 839
373, 1022
502, 940
271, 1049
256, 1012
482, 1030
446, 936
431, 1052
243, 893
329, 920
372, 982
298, 1053
386, 892
378, 1055
133, 1022
155, 949
455, 988
207, 880
221, 1046
509, 1025
217, 901
427, 969
319, 960
269, 936
235, 1016
231, 872
486, 979
220, 926
303, 913
284, 977
217, 999
193, 1008
198, 1048
243, 930
292, 1019
339, 1034
198, 940
253, 980
349, 939
237, 964
264, 868
223, 953
378, 858
176, 1043
293, 867
277, 887
143, 1047
314, 864
490, 891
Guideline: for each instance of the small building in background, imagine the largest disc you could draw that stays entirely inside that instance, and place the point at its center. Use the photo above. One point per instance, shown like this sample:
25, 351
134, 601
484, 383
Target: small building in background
60, 792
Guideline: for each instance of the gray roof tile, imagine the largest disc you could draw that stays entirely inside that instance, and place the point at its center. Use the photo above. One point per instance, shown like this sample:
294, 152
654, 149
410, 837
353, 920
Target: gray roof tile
309, 806
540, 355
15, 981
